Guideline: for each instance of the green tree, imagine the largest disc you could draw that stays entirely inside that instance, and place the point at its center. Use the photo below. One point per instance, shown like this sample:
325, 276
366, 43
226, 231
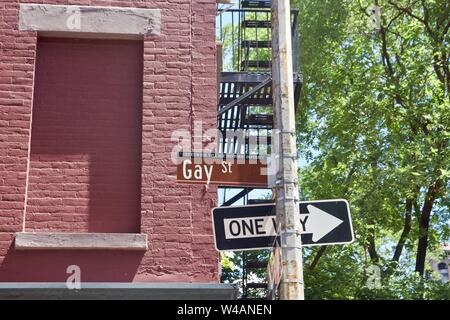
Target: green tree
373, 124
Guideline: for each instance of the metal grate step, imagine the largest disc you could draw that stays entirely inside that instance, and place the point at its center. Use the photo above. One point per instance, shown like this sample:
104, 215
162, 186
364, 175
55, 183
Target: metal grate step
256, 24
260, 201
256, 264
257, 64
256, 119
256, 44
253, 285
254, 4
269, 140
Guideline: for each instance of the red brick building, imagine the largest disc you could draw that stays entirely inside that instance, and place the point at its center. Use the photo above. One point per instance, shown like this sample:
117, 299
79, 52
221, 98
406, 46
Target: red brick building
90, 93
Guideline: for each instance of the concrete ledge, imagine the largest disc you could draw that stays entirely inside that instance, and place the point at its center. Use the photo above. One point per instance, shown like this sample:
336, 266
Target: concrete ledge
80, 241
118, 291
92, 22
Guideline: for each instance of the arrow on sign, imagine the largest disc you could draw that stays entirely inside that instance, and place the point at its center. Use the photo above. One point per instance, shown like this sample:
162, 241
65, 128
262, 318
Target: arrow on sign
317, 222
320, 223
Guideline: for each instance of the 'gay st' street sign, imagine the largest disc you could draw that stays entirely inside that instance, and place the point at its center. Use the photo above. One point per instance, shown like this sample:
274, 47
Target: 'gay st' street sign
236, 170
323, 222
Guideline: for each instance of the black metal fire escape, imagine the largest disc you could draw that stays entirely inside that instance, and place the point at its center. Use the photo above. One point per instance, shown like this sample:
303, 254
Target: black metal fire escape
245, 88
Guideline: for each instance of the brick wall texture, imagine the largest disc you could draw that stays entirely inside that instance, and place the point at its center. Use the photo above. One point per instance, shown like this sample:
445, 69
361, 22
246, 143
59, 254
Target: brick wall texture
92, 153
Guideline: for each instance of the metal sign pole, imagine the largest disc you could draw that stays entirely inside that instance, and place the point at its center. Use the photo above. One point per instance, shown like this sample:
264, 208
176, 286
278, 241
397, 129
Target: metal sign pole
287, 208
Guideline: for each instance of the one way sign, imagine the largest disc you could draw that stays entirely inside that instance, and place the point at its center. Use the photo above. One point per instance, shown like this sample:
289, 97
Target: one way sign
323, 222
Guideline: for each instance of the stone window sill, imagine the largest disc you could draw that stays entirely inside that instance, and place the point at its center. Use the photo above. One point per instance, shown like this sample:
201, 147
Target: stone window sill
80, 241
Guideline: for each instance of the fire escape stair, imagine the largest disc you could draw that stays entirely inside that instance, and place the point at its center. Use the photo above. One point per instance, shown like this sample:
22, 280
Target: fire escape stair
252, 4
265, 24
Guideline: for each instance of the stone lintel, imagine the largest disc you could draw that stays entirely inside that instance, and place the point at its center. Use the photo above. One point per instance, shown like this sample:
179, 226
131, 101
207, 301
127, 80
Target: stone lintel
80, 241
89, 21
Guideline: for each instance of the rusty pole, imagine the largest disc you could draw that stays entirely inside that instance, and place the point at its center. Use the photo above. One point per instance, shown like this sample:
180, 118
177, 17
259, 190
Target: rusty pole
285, 149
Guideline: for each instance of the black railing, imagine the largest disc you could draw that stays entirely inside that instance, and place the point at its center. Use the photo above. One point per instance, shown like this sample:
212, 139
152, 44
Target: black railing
247, 39
245, 91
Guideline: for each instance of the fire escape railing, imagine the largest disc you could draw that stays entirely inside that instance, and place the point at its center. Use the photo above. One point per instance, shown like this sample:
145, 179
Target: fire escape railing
245, 88
247, 39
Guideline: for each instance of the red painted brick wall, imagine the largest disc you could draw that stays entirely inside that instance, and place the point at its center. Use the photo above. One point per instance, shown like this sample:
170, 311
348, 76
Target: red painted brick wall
179, 87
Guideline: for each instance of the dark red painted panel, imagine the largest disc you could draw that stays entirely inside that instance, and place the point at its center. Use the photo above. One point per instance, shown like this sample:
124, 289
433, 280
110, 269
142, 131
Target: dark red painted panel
85, 164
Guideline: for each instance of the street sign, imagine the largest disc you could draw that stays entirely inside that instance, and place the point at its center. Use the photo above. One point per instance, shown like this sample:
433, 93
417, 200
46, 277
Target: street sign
323, 222
234, 170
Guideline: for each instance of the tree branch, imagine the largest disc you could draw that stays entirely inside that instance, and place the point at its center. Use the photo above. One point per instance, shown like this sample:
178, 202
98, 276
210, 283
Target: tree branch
446, 28
371, 248
385, 54
388, 65
317, 257
405, 232
409, 12
437, 69
424, 224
